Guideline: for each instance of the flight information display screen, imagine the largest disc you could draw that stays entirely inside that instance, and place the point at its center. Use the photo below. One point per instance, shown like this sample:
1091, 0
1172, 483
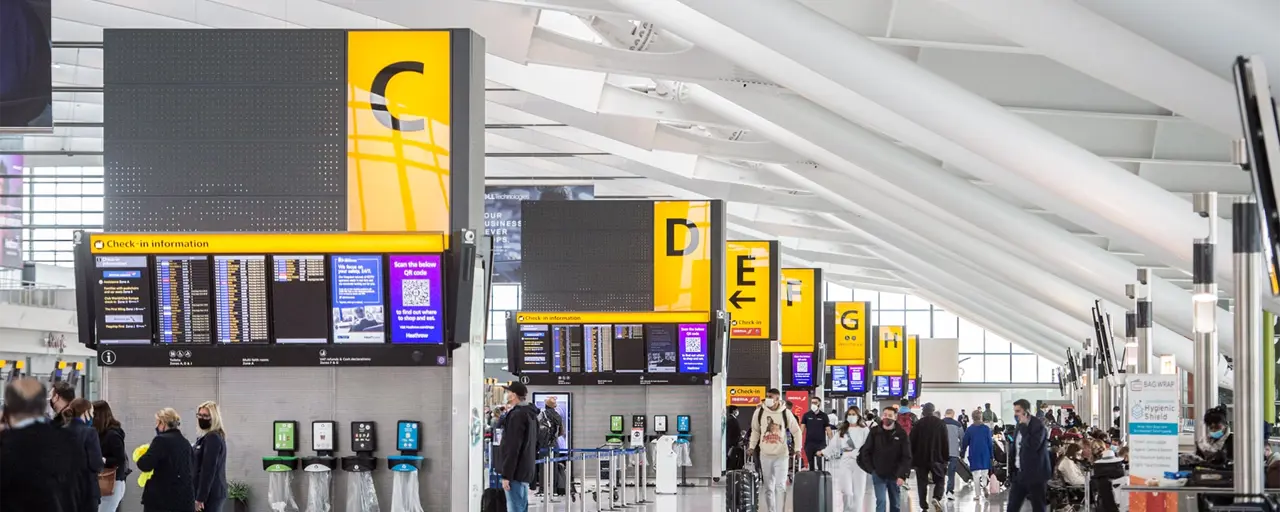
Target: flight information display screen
240, 298
598, 343
566, 348
416, 296
123, 296
357, 299
535, 341
299, 296
619, 354
629, 354
839, 378
182, 299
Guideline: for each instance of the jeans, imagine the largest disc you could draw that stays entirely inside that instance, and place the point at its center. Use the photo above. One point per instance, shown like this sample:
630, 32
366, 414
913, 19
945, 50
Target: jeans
923, 475
951, 474
1021, 491
112, 502
518, 497
886, 489
774, 472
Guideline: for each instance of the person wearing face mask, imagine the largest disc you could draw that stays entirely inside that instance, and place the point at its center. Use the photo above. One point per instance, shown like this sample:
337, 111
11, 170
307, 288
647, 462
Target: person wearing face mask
735, 455
111, 437
817, 427
930, 452
886, 456
850, 480
211, 459
1215, 445
170, 459
519, 449
772, 450
78, 420
60, 396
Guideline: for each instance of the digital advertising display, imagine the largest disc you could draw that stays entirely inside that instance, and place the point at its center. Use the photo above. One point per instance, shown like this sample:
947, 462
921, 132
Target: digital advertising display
564, 407
357, 299
912, 392
881, 389
895, 385
802, 369
857, 379
839, 379
693, 348
662, 348
416, 297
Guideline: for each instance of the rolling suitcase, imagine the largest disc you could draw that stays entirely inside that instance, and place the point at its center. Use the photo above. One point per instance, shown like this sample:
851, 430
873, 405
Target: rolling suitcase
741, 491
813, 489
962, 470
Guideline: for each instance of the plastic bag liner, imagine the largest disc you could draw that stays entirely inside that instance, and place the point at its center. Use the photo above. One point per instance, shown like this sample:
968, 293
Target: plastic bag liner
280, 491
404, 492
318, 491
361, 496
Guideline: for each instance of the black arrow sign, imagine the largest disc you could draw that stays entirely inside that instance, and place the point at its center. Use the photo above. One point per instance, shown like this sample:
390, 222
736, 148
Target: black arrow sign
737, 297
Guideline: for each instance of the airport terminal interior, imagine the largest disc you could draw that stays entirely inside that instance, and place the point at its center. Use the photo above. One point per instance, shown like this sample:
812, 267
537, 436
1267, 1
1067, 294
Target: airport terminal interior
642, 255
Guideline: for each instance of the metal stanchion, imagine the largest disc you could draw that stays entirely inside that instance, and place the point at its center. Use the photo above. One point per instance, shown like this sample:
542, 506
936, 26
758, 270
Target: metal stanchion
1145, 330
582, 496
599, 482
1248, 434
546, 479
622, 458
644, 478
1204, 311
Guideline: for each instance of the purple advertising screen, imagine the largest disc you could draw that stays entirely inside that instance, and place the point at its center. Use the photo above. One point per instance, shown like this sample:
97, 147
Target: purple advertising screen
416, 299
911, 388
802, 369
840, 378
895, 385
693, 348
857, 379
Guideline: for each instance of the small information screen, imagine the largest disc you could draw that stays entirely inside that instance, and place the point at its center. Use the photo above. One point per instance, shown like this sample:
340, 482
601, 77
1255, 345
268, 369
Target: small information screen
322, 436
693, 348
534, 342
663, 354
895, 385
407, 437
240, 296
124, 299
299, 299
182, 295
285, 436
357, 299
628, 348
839, 378
363, 436
416, 299
802, 369
857, 379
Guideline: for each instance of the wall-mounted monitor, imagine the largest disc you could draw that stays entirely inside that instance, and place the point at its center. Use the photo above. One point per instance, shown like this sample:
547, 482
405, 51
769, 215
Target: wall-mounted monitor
1262, 146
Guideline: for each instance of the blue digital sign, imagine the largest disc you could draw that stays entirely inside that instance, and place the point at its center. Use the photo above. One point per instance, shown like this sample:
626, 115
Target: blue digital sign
407, 436
358, 309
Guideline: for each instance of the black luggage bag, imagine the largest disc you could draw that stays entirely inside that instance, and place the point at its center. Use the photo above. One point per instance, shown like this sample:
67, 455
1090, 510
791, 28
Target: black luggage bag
741, 491
813, 489
962, 470
493, 500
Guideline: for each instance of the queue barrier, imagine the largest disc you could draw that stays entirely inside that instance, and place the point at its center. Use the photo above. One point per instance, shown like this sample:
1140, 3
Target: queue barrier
612, 499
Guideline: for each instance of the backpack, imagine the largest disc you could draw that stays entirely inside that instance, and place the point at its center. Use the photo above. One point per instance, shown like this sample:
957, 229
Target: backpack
547, 431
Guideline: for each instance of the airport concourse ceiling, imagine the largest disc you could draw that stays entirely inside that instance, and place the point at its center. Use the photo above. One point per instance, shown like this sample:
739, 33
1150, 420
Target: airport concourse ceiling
1011, 161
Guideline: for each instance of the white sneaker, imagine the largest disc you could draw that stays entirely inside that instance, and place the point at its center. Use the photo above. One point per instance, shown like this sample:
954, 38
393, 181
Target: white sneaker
951, 496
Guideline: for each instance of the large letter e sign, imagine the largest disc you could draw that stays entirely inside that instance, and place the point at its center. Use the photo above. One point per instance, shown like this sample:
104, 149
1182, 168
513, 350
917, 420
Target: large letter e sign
378, 101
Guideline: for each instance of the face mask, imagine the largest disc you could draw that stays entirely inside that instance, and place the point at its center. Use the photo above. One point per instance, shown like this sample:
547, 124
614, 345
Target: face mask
1217, 434
813, 408
851, 418
769, 402
158, 431
205, 424
888, 423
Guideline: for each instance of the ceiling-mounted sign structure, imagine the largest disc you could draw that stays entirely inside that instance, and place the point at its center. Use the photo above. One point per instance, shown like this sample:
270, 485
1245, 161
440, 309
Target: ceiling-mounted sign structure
752, 287
801, 303
849, 332
890, 350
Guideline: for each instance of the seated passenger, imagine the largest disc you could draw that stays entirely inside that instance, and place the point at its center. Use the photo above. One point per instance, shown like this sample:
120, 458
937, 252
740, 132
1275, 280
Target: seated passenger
1069, 470
1214, 445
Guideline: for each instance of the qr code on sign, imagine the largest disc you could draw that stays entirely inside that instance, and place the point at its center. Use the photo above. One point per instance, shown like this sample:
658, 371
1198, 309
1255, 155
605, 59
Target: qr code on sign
416, 292
693, 345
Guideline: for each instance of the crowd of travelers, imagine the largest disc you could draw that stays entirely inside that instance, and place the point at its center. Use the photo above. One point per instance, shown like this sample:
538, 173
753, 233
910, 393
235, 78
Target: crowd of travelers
63, 453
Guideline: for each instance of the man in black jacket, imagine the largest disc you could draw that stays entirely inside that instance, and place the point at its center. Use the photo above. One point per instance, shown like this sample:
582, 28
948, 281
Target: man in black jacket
519, 447
1030, 460
38, 461
736, 458
930, 452
886, 456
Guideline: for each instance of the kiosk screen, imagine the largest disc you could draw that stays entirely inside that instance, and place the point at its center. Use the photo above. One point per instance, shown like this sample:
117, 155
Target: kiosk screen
628, 348
357, 299
416, 297
123, 299
299, 296
240, 298
661, 339
534, 343
693, 348
802, 369
182, 298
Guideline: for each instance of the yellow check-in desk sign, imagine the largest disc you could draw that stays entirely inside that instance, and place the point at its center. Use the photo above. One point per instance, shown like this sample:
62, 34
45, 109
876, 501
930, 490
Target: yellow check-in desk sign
752, 288
851, 330
265, 243
800, 302
890, 350
750, 396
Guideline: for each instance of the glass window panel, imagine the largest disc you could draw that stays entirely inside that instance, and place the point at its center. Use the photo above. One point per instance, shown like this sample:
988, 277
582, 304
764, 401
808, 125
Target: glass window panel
970, 337
44, 219
44, 256
93, 204
44, 188
1045, 371
892, 301
1024, 368
44, 204
914, 302
996, 344
867, 296
875, 317
892, 318
45, 234
944, 324
93, 188
971, 368
92, 219
69, 187
68, 219
919, 324
839, 293
43, 246
997, 368
497, 325
505, 297
1017, 349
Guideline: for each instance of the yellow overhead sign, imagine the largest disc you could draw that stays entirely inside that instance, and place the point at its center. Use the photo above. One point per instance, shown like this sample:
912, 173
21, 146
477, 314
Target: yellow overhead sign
891, 350
801, 303
752, 287
745, 395
642, 317
264, 243
682, 256
913, 355
851, 331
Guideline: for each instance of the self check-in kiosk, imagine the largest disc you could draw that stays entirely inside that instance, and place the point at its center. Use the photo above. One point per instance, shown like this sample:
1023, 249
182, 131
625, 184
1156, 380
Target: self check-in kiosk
319, 468
404, 467
280, 467
361, 496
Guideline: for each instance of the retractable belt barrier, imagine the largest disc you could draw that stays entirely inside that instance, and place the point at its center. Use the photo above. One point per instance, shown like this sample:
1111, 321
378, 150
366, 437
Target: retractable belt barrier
612, 498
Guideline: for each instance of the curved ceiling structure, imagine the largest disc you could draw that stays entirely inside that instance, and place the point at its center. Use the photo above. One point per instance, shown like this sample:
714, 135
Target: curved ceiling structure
1009, 160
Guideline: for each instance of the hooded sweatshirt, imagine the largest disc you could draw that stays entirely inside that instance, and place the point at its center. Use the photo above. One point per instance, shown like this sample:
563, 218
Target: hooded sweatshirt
774, 444
955, 433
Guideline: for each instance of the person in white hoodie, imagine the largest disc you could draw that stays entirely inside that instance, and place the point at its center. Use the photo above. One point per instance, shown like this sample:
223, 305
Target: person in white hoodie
850, 480
772, 448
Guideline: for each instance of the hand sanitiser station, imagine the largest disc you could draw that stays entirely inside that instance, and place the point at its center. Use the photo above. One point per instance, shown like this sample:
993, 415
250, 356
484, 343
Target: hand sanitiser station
320, 468
664, 458
404, 467
684, 428
361, 496
280, 467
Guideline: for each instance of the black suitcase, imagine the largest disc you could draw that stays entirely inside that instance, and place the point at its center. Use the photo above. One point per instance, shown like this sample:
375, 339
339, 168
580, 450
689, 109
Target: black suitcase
813, 489
741, 491
493, 500
962, 470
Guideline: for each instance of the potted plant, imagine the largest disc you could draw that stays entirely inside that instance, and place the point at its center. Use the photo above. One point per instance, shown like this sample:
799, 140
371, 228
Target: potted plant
238, 493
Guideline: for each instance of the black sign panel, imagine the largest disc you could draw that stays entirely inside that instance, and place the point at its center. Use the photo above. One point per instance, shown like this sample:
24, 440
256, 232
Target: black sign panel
240, 296
299, 296
123, 295
245, 355
618, 379
182, 299
629, 355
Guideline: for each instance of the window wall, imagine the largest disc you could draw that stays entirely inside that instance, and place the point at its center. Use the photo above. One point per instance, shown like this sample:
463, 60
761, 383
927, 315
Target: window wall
57, 201
984, 356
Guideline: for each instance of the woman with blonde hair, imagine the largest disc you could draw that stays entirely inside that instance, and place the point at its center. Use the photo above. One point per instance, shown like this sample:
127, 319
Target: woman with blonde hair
169, 458
211, 459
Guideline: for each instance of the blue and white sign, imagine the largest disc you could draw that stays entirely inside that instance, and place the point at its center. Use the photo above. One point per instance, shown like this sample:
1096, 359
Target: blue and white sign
1153, 424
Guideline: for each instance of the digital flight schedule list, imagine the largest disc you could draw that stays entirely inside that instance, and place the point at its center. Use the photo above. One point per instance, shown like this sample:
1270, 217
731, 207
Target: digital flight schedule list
182, 295
240, 298
124, 299
299, 299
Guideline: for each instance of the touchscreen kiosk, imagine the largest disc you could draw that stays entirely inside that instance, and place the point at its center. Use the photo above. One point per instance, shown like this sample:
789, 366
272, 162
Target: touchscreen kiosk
616, 434
660, 424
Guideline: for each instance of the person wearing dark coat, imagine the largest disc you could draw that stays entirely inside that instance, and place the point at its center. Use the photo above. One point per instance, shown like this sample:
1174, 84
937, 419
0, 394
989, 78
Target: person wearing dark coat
170, 458
886, 456
519, 447
38, 461
78, 420
1030, 459
211, 459
111, 438
733, 440
930, 452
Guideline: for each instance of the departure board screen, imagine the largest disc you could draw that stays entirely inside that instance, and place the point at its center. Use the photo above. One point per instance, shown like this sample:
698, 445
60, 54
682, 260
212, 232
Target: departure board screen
240, 298
534, 343
182, 298
357, 299
598, 344
661, 339
123, 299
299, 299
628, 348
566, 348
